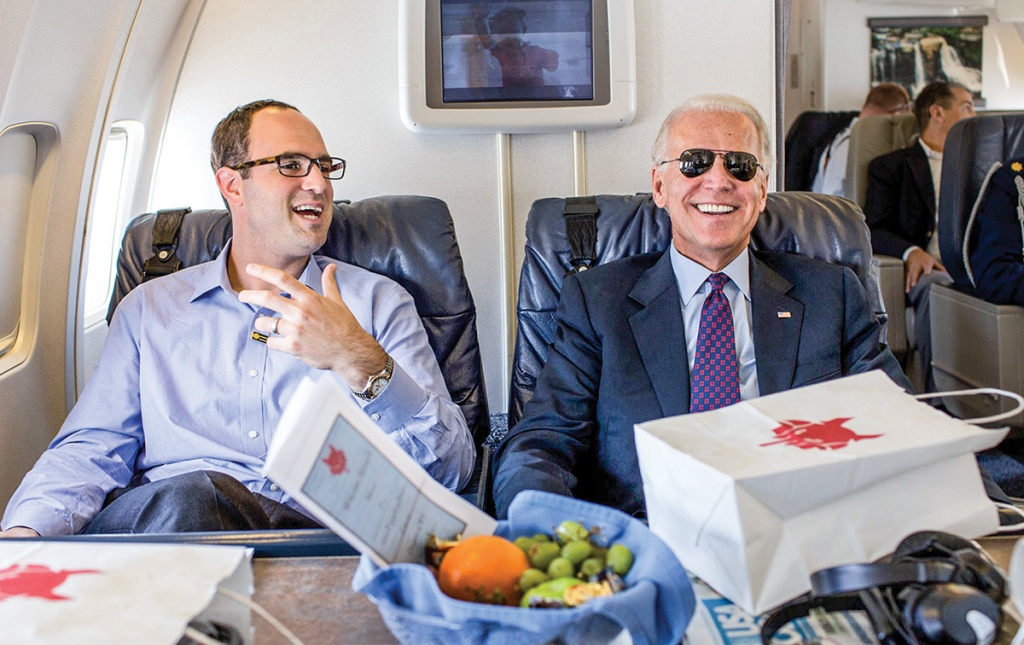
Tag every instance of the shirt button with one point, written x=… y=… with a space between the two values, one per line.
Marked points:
x=375 y=416
x=275 y=487
x=253 y=434
x=253 y=372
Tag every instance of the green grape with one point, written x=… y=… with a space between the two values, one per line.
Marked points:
x=524 y=542
x=541 y=554
x=576 y=551
x=591 y=567
x=620 y=558
x=541 y=537
x=599 y=552
x=569 y=530
x=531 y=578
x=561 y=568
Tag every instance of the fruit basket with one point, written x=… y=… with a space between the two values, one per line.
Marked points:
x=655 y=607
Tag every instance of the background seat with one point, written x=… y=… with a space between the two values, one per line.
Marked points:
x=872 y=137
x=975 y=343
x=821 y=226
x=410 y=239
x=808 y=137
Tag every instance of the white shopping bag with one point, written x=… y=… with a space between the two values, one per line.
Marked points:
x=101 y=592
x=755 y=497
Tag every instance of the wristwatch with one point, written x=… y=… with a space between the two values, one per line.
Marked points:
x=376 y=384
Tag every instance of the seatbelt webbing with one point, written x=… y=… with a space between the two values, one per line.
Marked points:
x=581 y=231
x=165 y=243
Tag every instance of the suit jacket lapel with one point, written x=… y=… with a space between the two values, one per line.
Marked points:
x=777 y=322
x=922 y=173
x=658 y=331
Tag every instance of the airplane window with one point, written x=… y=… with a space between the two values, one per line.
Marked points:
x=17 y=172
x=109 y=215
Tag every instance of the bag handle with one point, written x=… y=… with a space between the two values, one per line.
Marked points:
x=983 y=390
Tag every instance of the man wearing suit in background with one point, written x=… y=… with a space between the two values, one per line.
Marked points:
x=902 y=203
x=632 y=336
x=997 y=260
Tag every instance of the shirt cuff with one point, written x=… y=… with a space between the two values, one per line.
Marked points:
x=398 y=403
x=909 y=249
x=43 y=520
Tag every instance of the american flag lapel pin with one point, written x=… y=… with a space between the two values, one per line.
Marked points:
x=783 y=314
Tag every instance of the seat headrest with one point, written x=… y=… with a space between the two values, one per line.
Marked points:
x=972 y=147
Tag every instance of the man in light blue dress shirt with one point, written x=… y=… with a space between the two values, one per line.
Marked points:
x=171 y=432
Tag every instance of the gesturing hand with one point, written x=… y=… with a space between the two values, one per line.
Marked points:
x=319 y=330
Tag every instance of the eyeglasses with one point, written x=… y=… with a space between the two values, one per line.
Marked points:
x=295 y=165
x=902 y=109
x=696 y=162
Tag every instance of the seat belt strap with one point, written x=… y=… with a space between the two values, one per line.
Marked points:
x=581 y=231
x=165 y=242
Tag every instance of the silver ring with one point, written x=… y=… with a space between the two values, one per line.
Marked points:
x=276 y=322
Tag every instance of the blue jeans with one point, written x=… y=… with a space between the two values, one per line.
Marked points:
x=200 y=501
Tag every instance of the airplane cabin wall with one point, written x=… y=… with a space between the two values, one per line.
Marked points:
x=336 y=60
x=57 y=65
x=835 y=33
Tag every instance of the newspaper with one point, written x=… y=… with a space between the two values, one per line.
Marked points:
x=341 y=466
x=719 y=622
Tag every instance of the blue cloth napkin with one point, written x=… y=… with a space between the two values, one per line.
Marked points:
x=656 y=607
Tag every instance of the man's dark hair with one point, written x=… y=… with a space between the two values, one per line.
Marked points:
x=938 y=93
x=888 y=96
x=230 y=143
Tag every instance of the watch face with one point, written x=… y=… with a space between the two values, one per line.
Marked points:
x=378 y=385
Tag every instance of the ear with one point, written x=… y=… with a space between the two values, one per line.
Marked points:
x=658 y=187
x=936 y=112
x=230 y=184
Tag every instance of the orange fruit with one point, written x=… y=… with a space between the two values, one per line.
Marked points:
x=483 y=568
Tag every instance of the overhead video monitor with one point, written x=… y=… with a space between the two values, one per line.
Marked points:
x=516 y=65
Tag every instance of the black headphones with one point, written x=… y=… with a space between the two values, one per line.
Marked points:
x=935 y=588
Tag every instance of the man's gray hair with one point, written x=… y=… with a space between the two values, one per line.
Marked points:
x=710 y=103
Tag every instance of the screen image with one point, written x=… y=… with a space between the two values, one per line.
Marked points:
x=517 y=51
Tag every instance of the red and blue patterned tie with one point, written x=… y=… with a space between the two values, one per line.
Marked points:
x=716 y=375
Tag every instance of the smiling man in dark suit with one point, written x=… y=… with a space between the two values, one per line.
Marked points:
x=902 y=202
x=689 y=329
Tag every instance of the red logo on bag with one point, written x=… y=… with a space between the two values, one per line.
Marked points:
x=336 y=461
x=35 y=581
x=826 y=435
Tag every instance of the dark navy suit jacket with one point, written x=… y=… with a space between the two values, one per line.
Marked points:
x=900 y=202
x=997 y=261
x=619 y=358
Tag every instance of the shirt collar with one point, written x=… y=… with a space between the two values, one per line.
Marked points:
x=929 y=152
x=215 y=275
x=691 y=276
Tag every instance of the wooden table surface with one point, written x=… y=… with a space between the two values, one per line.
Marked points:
x=314 y=598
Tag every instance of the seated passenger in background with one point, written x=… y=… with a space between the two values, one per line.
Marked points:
x=884 y=98
x=633 y=337
x=901 y=205
x=997 y=261
x=171 y=432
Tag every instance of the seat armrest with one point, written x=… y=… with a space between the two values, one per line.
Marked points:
x=890 y=282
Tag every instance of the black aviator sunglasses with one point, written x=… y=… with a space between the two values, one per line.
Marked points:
x=697 y=161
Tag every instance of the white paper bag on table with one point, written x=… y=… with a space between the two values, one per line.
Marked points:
x=755 y=497
x=82 y=592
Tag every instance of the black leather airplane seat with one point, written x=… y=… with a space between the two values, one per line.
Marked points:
x=820 y=226
x=973 y=145
x=410 y=239
x=975 y=343
x=807 y=139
